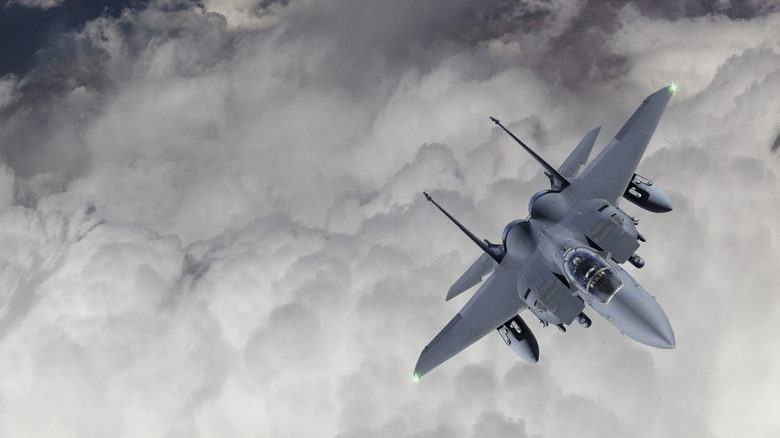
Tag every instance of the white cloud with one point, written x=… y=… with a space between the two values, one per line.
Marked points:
x=243 y=249
x=690 y=54
x=247 y=14
x=42 y=4
x=9 y=90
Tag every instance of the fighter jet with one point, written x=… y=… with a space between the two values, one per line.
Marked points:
x=567 y=253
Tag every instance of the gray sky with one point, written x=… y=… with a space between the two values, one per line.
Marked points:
x=211 y=221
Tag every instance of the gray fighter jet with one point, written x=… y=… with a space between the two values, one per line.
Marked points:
x=567 y=252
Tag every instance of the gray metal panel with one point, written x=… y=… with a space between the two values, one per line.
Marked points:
x=609 y=174
x=555 y=297
x=569 y=308
x=611 y=237
x=623 y=248
x=606 y=226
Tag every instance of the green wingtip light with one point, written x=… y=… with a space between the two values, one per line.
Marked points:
x=416 y=377
x=673 y=88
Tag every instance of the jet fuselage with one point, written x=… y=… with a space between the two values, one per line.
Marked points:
x=554 y=299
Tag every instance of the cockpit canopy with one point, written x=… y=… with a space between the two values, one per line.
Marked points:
x=592 y=274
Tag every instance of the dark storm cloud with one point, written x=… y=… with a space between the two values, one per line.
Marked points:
x=736 y=9
x=53 y=98
x=31 y=29
x=211 y=219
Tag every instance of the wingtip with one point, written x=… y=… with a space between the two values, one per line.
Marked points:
x=495 y=120
x=427 y=196
x=665 y=92
x=450 y=294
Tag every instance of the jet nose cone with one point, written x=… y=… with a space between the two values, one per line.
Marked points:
x=646 y=322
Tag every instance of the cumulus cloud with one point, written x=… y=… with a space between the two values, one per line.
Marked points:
x=212 y=222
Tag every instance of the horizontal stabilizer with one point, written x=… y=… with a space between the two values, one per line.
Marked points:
x=482 y=267
x=579 y=156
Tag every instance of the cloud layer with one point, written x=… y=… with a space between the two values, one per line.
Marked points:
x=211 y=219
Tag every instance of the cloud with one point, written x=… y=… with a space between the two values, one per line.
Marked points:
x=41 y=4
x=212 y=223
x=8 y=90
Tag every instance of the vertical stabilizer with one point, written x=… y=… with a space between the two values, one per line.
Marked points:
x=557 y=181
x=497 y=256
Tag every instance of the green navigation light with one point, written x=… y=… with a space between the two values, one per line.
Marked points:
x=416 y=377
x=673 y=88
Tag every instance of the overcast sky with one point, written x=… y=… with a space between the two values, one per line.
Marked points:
x=211 y=220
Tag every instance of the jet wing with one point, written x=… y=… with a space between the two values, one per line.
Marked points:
x=610 y=172
x=496 y=302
